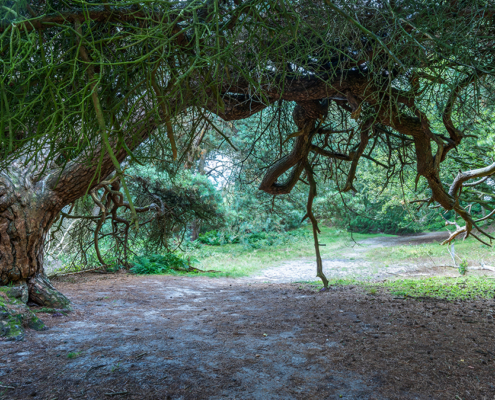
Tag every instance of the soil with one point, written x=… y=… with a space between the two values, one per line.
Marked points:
x=166 y=337
x=354 y=265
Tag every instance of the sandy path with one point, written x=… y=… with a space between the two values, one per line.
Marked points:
x=354 y=265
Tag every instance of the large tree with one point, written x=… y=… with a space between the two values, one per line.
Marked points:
x=84 y=84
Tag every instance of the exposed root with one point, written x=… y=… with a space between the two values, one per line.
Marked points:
x=42 y=292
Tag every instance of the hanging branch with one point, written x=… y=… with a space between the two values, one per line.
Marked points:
x=314 y=223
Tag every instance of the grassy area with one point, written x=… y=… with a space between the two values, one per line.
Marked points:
x=462 y=288
x=247 y=258
x=450 y=289
x=435 y=254
x=238 y=260
x=244 y=259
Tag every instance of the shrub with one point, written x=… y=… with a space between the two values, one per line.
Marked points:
x=161 y=264
x=216 y=238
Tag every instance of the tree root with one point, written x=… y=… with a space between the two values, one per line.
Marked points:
x=42 y=292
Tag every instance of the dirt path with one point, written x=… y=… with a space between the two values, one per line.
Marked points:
x=354 y=264
x=198 y=338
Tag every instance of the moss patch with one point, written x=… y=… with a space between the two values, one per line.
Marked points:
x=35 y=323
x=15 y=315
x=11 y=325
x=19 y=292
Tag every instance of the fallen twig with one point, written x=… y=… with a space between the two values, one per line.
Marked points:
x=192 y=269
x=95 y=367
x=78 y=272
x=115 y=393
x=7 y=387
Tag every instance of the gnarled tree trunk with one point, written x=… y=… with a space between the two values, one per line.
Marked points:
x=31 y=197
x=27 y=211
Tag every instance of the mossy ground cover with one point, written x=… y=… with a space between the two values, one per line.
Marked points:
x=10 y=322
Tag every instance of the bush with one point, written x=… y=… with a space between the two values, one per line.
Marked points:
x=395 y=220
x=216 y=238
x=255 y=240
x=161 y=264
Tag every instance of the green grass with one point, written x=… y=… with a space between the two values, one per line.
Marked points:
x=450 y=289
x=248 y=258
x=237 y=260
x=74 y=354
x=469 y=249
x=115 y=367
x=462 y=288
x=242 y=259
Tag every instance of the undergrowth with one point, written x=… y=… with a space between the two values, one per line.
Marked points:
x=171 y=263
x=257 y=251
x=168 y=263
x=255 y=240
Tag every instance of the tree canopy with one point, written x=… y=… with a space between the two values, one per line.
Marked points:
x=400 y=83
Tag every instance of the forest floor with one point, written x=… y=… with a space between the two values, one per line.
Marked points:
x=164 y=337
x=263 y=337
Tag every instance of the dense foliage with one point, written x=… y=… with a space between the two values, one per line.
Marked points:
x=160 y=264
x=82 y=236
x=331 y=98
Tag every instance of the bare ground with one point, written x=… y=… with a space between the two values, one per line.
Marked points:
x=355 y=265
x=164 y=337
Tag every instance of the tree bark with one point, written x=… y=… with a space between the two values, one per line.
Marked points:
x=27 y=211
x=194 y=230
x=32 y=196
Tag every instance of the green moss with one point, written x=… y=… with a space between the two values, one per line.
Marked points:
x=15 y=315
x=11 y=325
x=15 y=302
x=19 y=292
x=36 y=324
